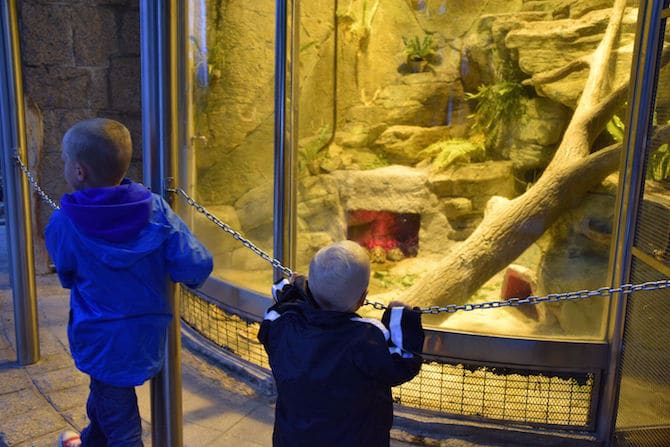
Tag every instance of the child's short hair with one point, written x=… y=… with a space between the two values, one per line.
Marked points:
x=339 y=275
x=103 y=145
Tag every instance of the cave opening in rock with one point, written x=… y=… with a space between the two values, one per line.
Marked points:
x=387 y=235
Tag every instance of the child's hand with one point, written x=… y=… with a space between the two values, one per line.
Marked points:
x=404 y=325
x=278 y=288
x=289 y=289
x=398 y=304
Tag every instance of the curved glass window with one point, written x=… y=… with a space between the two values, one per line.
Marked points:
x=230 y=159
x=445 y=137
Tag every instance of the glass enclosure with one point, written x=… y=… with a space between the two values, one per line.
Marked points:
x=643 y=418
x=230 y=164
x=443 y=136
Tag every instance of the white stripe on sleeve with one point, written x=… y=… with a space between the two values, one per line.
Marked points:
x=271 y=315
x=378 y=324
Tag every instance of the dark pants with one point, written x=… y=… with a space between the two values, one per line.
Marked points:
x=114 y=417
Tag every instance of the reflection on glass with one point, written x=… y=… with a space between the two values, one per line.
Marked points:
x=441 y=135
x=231 y=53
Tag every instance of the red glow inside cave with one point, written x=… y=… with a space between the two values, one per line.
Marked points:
x=384 y=229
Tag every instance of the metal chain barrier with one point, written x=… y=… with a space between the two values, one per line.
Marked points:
x=625 y=289
x=236 y=235
x=33 y=183
x=450 y=308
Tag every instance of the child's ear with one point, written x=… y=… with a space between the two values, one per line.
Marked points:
x=80 y=172
x=361 y=300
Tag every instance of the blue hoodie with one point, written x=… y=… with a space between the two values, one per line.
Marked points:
x=115 y=249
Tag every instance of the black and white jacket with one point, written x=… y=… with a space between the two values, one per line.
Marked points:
x=334 y=372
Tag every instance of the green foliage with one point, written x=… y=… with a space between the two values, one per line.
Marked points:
x=312 y=150
x=658 y=164
x=373 y=162
x=448 y=152
x=417 y=49
x=616 y=127
x=497 y=106
x=387 y=280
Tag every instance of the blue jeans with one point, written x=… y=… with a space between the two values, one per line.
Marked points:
x=114 y=417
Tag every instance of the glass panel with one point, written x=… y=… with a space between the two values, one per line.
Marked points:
x=427 y=130
x=643 y=415
x=231 y=88
x=439 y=134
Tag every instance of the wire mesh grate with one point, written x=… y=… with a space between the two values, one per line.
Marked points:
x=643 y=413
x=483 y=392
x=226 y=330
x=525 y=396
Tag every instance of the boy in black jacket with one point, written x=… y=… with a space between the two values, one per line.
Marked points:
x=334 y=370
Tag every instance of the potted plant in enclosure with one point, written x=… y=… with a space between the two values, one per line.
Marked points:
x=419 y=52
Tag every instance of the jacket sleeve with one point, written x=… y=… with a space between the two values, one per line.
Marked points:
x=373 y=358
x=59 y=246
x=188 y=260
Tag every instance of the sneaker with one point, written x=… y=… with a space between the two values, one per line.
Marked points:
x=69 y=438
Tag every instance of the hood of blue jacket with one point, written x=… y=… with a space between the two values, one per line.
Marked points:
x=115 y=214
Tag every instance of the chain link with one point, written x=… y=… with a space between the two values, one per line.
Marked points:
x=450 y=308
x=236 y=235
x=624 y=289
x=31 y=179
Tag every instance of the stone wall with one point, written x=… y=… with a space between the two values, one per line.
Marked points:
x=81 y=59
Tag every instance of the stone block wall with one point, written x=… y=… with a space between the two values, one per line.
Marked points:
x=81 y=59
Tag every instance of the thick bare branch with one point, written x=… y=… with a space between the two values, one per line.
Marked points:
x=513 y=227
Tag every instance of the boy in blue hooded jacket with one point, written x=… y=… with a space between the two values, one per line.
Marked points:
x=115 y=245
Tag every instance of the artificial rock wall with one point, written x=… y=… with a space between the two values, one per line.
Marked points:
x=81 y=59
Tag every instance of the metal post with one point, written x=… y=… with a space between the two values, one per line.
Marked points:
x=285 y=136
x=16 y=191
x=159 y=37
x=648 y=45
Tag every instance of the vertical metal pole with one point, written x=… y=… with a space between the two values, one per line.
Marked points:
x=17 y=191
x=159 y=34
x=170 y=178
x=285 y=136
x=292 y=136
x=646 y=54
x=279 y=133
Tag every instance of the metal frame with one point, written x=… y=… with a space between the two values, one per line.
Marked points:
x=161 y=26
x=285 y=146
x=550 y=356
x=17 y=190
x=646 y=54
x=598 y=357
x=551 y=353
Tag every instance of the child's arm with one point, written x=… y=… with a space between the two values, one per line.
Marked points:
x=188 y=260
x=377 y=359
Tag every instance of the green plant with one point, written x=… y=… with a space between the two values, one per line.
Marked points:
x=448 y=152
x=616 y=127
x=497 y=105
x=387 y=280
x=658 y=164
x=419 y=50
x=312 y=150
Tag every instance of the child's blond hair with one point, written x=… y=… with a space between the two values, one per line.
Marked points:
x=102 y=145
x=339 y=275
